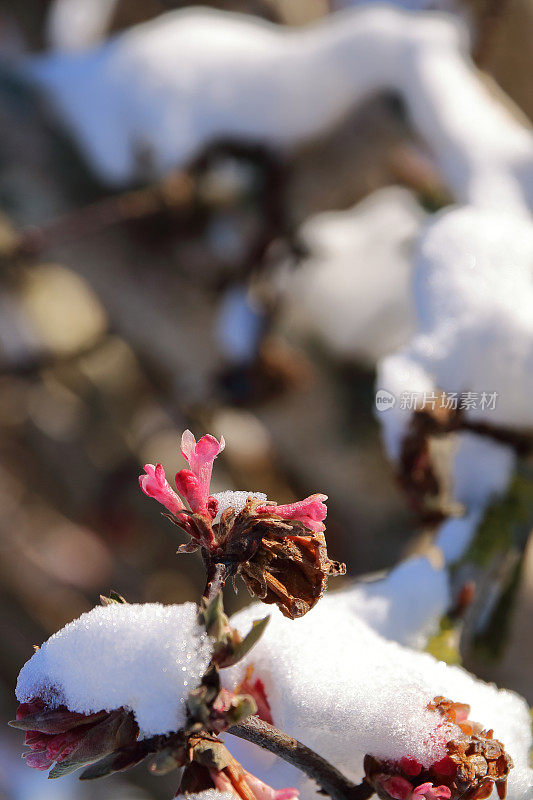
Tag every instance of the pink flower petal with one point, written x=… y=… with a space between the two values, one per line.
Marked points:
x=311 y=511
x=154 y=484
x=431 y=792
x=263 y=791
x=200 y=456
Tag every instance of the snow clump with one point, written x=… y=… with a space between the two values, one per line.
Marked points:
x=146 y=658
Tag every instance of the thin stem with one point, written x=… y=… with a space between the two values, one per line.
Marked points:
x=294 y=752
x=217 y=574
x=171 y=193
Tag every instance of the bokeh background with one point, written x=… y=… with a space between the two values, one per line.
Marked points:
x=165 y=308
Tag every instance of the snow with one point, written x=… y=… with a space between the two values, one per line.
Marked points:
x=354 y=290
x=78 y=24
x=406 y=605
x=482 y=471
x=345 y=691
x=236 y=500
x=143 y=657
x=159 y=92
x=473 y=295
x=474 y=298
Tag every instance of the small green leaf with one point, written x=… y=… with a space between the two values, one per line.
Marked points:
x=240 y=650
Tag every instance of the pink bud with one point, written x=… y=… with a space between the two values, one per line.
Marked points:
x=154 y=484
x=410 y=766
x=445 y=766
x=398 y=788
x=311 y=511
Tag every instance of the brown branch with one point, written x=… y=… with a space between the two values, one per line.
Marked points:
x=294 y=752
x=170 y=194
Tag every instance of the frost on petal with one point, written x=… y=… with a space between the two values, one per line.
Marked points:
x=154 y=484
x=146 y=658
x=311 y=511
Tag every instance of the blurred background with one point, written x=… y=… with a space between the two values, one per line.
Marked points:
x=223 y=296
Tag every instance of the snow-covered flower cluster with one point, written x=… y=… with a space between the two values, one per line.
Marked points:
x=354 y=694
x=128 y=682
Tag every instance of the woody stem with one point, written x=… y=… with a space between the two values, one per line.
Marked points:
x=217 y=574
x=329 y=779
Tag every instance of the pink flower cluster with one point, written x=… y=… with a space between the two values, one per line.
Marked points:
x=57 y=735
x=193 y=485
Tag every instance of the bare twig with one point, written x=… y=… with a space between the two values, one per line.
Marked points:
x=170 y=194
x=294 y=752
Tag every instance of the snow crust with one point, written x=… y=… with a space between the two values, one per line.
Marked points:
x=144 y=657
x=236 y=500
x=354 y=290
x=345 y=691
x=160 y=91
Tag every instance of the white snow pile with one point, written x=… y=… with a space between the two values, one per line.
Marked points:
x=406 y=605
x=235 y=499
x=159 y=92
x=474 y=300
x=343 y=690
x=146 y=658
x=354 y=290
